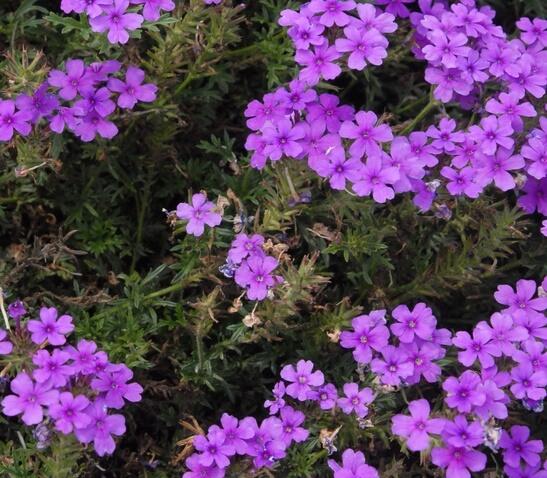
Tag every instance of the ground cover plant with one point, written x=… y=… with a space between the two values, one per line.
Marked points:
x=273 y=238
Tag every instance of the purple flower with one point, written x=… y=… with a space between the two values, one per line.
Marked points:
x=270 y=111
x=459 y=433
x=418 y=323
x=493 y=131
x=112 y=383
x=504 y=332
x=100 y=71
x=533 y=31
x=64 y=117
x=243 y=246
x=425 y=153
x=6 y=346
x=495 y=168
x=40 y=104
x=534 y=323
x=473 y=65
x=356 y=400
x=366 y=134
x=464 y=392
x=476 y=347
x=523 y=79
x=84 y=357
x=528 y=383
x=383 y=22
x=302 y=379
x=422 y=358
x=417 y=427
x=117 y=21
x=393 y=367
x=69 y=413
x=353 y=466
x=93 y=8
x=93 y=123
x=278 y=402
x=516 y=446
x=444 y=136
x=152 y=8
x=364 y=338
x=521 y=298
x=496 y=400
x=255 y=274
x=197 y=470
x=292 y=431
x=536 y=153
x=100 y=429
x=199 y=213
x=328 y=111
x=29 y=399
x=49 y=327
x=526 y=471
x=213 y=449
x=375 y=179
x=132 y=90
x=364 y=47
x=532 y=353
x=11 y=121
x=318 y=63
x=16 y=310
x=75 y=80
x=338 y=169
x=326 y=395
x=333 y=11
x=282 y=139
x=508 y=105
x=96 y=100
x=52 y=368
x=305 y=33
x=298 y=96
x=446 y=49
x=449 y=82
x=236 y=433
x=461 y=182
x=458 y=461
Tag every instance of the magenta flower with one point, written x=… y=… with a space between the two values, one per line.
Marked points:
x=496 y=400
x=52 y=368
x=236 y=433
x=523 y=78
x=302 y=379
x=477 y=347
x=504 y=332
x=6 y=346
x=117 y=21
x=393 y=367
x=448 y=81
x=533 y=31
x=356 y=400
x=28 y=399
x=396 y=7
x=298 y=97
x=305 y=33
x=417 y=427
x=363 y=46
x=270 y=110
x=532 y=353
x=364 y=338
x=152 y=8
x=464 y=392
x=318 y=63
x=493 y=132
x=353 y=466
x=445 y=136
x=333 y=11
x=49 y=327
x=197 y=470
x=112 y=383
x=495 y=168
x=459 y=433
x=75 y=80
x=375 y=179
x=508 y=105
x=200 y=213
x=39 y=104
x=255 y=274
x=93 y=123
x=535 y=196
x=422 y=358
x=64 y=117
x=521 y=298
x=338 y=169
x=371 y=18
x=243 y=246
x=516 y=446
x=100 y=429
x=69 y=412
x=420 y=149
x=132 y=90
x=17 y=309
x=458 y=461
x=84 y=358
x=96 y=101
x=536 y=154
x=11 y=121
x=534 y=323
x=366 y=134
x=418 y=323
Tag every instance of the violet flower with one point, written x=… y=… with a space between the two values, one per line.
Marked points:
x=132 y=90
x=200 y=213
x=117 y=21
x=417 y=427
x=302 y=379
x=50 y=327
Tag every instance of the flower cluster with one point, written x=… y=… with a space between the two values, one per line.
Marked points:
x=80 y=98
x=63 y=388
x=470 y=60
x=509 y=349
x=118 y=17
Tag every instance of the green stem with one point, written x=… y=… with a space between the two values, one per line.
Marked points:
x=421 y=115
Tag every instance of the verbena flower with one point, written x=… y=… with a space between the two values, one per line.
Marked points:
x=132 y=90
x=464 y=392
x=6 y=346
x=517 y=447
x=69 y=412
x=419 y=322
x=116 y=21
x=458 y=461
x=356 y=400
x=394 y=366
x=353 y=466
x=199 y=213
x=255 y=274
x=12 y=120
x=50 y=327
x=417 y=427
x=461 y=433
x=302 y=379
x=365 y=338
